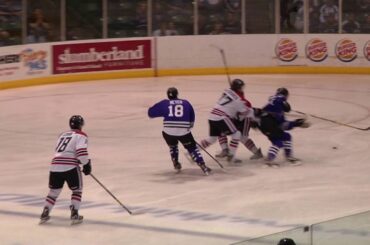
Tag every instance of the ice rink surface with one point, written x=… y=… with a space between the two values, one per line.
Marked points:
x=130 y=157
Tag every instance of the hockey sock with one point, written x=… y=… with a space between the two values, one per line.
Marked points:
x=287 y=148
x=235 y=138
x=195 y=154
x=76 y=198
x=250 y=145
x=52 y=198
x=223 y=142
x=272 y=153
x=174 y=151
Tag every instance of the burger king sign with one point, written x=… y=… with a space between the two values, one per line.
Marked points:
x=286 y=50
x=316 y=50
x=346 y=50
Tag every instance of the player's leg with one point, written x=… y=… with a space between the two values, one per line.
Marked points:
x=172 y=143
x=56 y=182
x=248 y=142
x=74 y=181
x=191 y=146
x=288 y=149
x=214 y=132
x=273 y=151
x=222 y=140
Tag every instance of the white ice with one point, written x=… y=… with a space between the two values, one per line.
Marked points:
x=130 y=157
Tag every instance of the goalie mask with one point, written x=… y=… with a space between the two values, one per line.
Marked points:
x=76 y=122
x=172 y=93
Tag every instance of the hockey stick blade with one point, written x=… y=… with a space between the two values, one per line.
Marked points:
x=332 y=121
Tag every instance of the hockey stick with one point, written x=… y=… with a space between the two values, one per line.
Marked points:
x=223 y=60
x=110 y=193
x=329 y=120
x=201 y=147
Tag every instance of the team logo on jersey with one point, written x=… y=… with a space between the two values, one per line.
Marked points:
x=34 y=60
x=316 y=50
x=286 y=50
x=346 y=50
x=367 y=50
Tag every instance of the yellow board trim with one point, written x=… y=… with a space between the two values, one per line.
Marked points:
x=182 y=72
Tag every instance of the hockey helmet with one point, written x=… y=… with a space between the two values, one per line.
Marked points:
x=282 y=91
x=237 y=84
x=172 y=93
x=76 y=122
x=286 y=241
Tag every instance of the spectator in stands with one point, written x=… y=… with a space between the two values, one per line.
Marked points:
x=38 y=28
x=350 y=25
x=4 y=38
x=286 y=241
x=330 y=25
x=366 y=24
x=314 y=24
x=299 y=15
x=10 y=11
x=328 y=11
x=166 y=30
x=140 y=21
x=232 y=23
x=218 y=28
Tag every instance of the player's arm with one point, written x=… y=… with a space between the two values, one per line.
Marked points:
x=82 y=154
x=156 y=110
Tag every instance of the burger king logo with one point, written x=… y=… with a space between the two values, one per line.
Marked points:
x=367 y=51
x=286 y=50
x=316 y=50
x=346 y=50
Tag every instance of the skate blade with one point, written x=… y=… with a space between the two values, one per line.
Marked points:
x=42 y=221
x=271 y=165
x=77 y=221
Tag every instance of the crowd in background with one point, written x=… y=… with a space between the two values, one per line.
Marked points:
x=42 y=20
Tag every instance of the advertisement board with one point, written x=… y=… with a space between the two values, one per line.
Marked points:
x=18 y=62
x=101 y=56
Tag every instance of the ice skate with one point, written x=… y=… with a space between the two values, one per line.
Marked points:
x=294 y=161
x=206 y=170
x=45 y=215
x=176 y=165
x=75 y=217
x=223 y=153
x=232 y=159
x=271 y=164
x=257 y=155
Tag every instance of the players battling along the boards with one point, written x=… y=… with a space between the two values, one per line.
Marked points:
x=232 y=116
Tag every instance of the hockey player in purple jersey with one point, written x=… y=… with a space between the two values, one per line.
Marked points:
x=271 y=122
x=178 y=119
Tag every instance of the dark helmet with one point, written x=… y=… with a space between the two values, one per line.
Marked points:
x=76 y=122
x=282 y=91
x=286 y=241
x=172 y=93
x=237 y=84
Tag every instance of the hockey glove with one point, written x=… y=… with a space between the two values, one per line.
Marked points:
x=301 y=123
x=286 y=106
x=86 y=169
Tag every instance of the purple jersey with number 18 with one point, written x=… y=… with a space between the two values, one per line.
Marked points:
x=178 y=116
